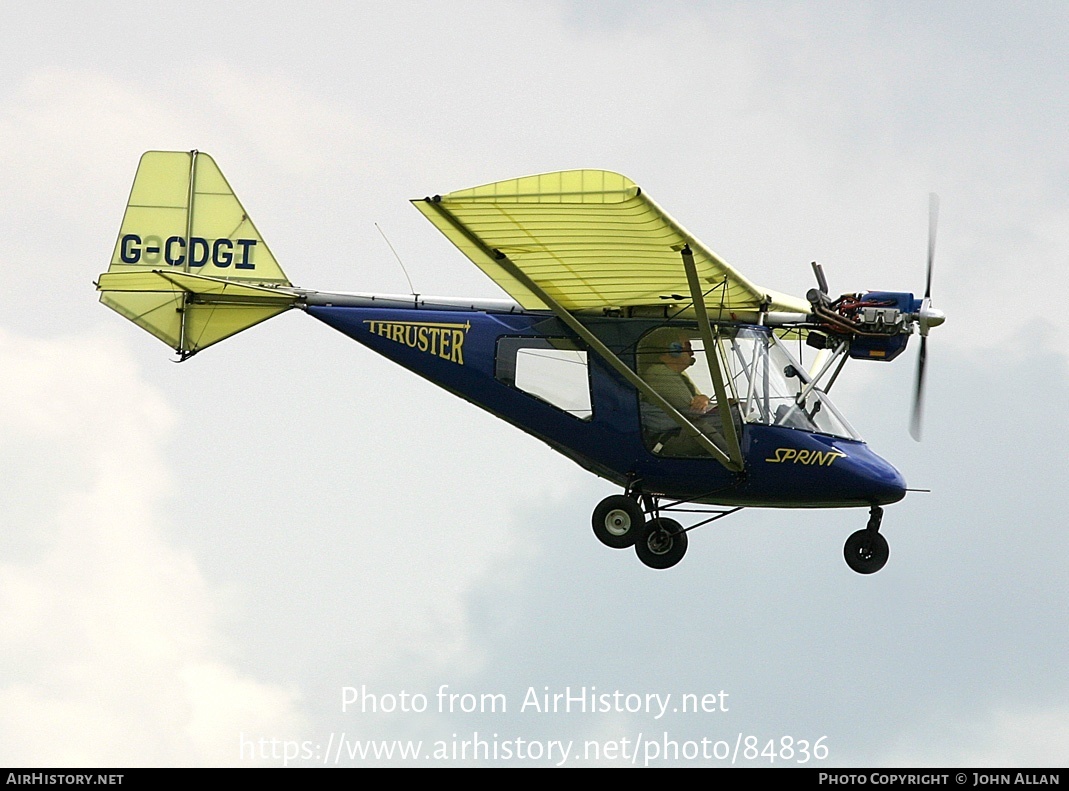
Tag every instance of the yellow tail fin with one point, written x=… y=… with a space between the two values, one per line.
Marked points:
x=189 y=266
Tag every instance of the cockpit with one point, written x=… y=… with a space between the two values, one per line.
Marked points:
x=764 y=383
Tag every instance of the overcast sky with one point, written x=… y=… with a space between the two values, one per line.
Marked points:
x=198 y=558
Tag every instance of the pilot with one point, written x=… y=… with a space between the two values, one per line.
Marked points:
x=667 y=375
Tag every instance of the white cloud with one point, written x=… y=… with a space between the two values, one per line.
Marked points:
x=113 y=651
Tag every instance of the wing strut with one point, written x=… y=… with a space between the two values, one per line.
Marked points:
x=594 y=343
x=712 y=356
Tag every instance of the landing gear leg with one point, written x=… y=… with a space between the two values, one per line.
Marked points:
x=866 y=550
x=634 y=519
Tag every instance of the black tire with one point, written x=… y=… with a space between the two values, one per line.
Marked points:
x=866 y=551
x=663 y=543
x=618 y=520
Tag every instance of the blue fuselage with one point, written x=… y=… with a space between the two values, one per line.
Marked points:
x=459 y=350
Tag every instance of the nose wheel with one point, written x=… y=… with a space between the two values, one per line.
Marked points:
x=866 y=551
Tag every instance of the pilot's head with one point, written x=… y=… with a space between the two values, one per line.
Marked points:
x=680 y=354
x=674 y=348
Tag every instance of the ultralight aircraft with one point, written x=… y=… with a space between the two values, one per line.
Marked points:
x=627 y=345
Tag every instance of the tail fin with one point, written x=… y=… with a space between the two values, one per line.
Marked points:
x=189 y=266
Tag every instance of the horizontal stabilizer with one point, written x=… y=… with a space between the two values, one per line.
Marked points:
x=206 y=288
x=190 y=312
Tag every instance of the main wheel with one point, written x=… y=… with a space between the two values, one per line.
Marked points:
x=663 y=543
x=866 y=551
x=618 y=520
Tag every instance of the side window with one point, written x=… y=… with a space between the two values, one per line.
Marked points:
x=553 y=370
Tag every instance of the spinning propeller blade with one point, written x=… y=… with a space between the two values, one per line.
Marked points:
x=927 y=318
x=933 y=220
x=918 y=394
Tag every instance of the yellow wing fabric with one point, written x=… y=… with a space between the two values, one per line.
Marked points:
x=189 y=266
x=593 y=240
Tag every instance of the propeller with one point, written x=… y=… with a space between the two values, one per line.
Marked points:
x=926 y=318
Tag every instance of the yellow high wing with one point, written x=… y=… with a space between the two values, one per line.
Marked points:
x=189 y=266
x=592 y=240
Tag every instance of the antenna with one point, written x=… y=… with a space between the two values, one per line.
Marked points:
x=411 y=287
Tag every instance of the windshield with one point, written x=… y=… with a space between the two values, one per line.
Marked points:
x=765 y=382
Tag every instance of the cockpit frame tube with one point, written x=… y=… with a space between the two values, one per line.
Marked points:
x=808 y=387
